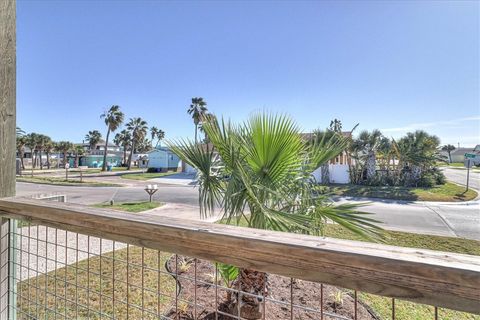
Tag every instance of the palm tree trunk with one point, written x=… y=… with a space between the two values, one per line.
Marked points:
x=196 y=131
x=22 y=155
x=129 y=165
x=41 y=163
x=252 y=282
x=371 y=165
x=48 y=160
x=104 y=165
x=124 y=155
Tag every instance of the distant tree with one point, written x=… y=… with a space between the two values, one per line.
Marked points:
x=42 y=140
x=19 y=132
x=78 y=151
x=123 y=139
x=21 y=142
x=113 y=119
x=336 y=125
x=366 y=145
x=138 y=130
x=48 y=148
x=197 y=109
x=93 y=138
x=449 y=148
x=156 y=134
x=64 y=147
x=31 y=143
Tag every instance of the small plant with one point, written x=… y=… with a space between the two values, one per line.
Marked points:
x=228 y=273
x=184 y=265
x=338 y=298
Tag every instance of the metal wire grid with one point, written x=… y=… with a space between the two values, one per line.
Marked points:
x=66 y=275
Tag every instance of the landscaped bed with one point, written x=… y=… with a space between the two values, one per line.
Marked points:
x=279 y=291
x=447 y=192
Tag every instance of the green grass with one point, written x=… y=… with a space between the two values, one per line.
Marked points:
x=99 y=281
x=131 y=206
x=63 y=182
x=447 y=192
x=407 y=310
x=146 y=175
x=453 y=164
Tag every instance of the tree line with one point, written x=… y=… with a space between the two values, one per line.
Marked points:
x=136 y=136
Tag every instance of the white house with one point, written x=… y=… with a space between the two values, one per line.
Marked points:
x=163 y=159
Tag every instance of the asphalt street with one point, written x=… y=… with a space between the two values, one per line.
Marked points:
x=459 y=176
x=435 y=218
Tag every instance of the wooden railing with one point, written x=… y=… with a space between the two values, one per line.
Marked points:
x=429 y=277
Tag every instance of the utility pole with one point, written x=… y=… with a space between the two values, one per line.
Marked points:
x=7 y=151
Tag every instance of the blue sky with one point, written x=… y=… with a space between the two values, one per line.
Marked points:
x=396 y=66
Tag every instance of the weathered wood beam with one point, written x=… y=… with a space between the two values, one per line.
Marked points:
x=436 y=278
x=7 y=137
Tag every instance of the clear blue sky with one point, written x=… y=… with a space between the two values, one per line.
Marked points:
x=396 y=66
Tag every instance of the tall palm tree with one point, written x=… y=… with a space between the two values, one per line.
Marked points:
x=48 y=148
x=449 y=148
x=93 y=138
x=113 y=119
x=31 y=143
x=197 y=109
x=153 y=132
x=21 y=142
x=417 y=151
x=123 y=139
x=138 y=129
x=261 y=174
x=160 y=137
x=64 y=147
x=367 y=143
x=19 y=132
x=78 y=151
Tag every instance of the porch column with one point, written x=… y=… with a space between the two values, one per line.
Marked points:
x=7 y=137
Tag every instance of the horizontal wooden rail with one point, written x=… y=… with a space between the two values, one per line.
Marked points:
x=422 y=276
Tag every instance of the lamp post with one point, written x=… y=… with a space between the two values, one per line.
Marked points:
x=151 y=189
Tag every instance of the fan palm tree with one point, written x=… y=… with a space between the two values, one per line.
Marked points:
x=417 y=151
x=19 y=132
x=48 y=148
x=153 y=132
x=449 y=148
x=367 y=144
x=197 y=110
x=31 y=143
x=113 y=119
x=78 y=151
x=138 y=129
x=21 y=142
x=123 y=139
x=64 y=147
x=93 y=138
x=42 y=140
x=262 y=174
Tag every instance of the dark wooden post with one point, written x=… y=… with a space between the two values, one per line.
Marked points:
x=7 y=139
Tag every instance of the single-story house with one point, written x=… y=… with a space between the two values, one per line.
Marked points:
x=163 y=159
x=458 y=155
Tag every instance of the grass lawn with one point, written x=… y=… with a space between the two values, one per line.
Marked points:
x=147 y=175
x=453 y=164
x=63 y=182
x=407 y=310
x=95 y=278
x=446 y=192
x=131 y=206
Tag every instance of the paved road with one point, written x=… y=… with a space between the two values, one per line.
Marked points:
x=460 y=176
x=446 y=219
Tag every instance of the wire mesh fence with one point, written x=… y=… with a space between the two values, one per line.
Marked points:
x=68 y=275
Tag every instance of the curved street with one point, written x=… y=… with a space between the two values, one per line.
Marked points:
x=435 y=218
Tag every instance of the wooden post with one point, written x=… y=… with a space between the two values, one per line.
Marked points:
x=7 y=140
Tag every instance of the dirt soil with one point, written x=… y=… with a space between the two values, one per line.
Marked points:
x=337 y=303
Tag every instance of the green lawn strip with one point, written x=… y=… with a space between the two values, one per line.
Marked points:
x=88 y=279
x=146 y=175
x=131 y=206
x=447 y=192
x=63 y=182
